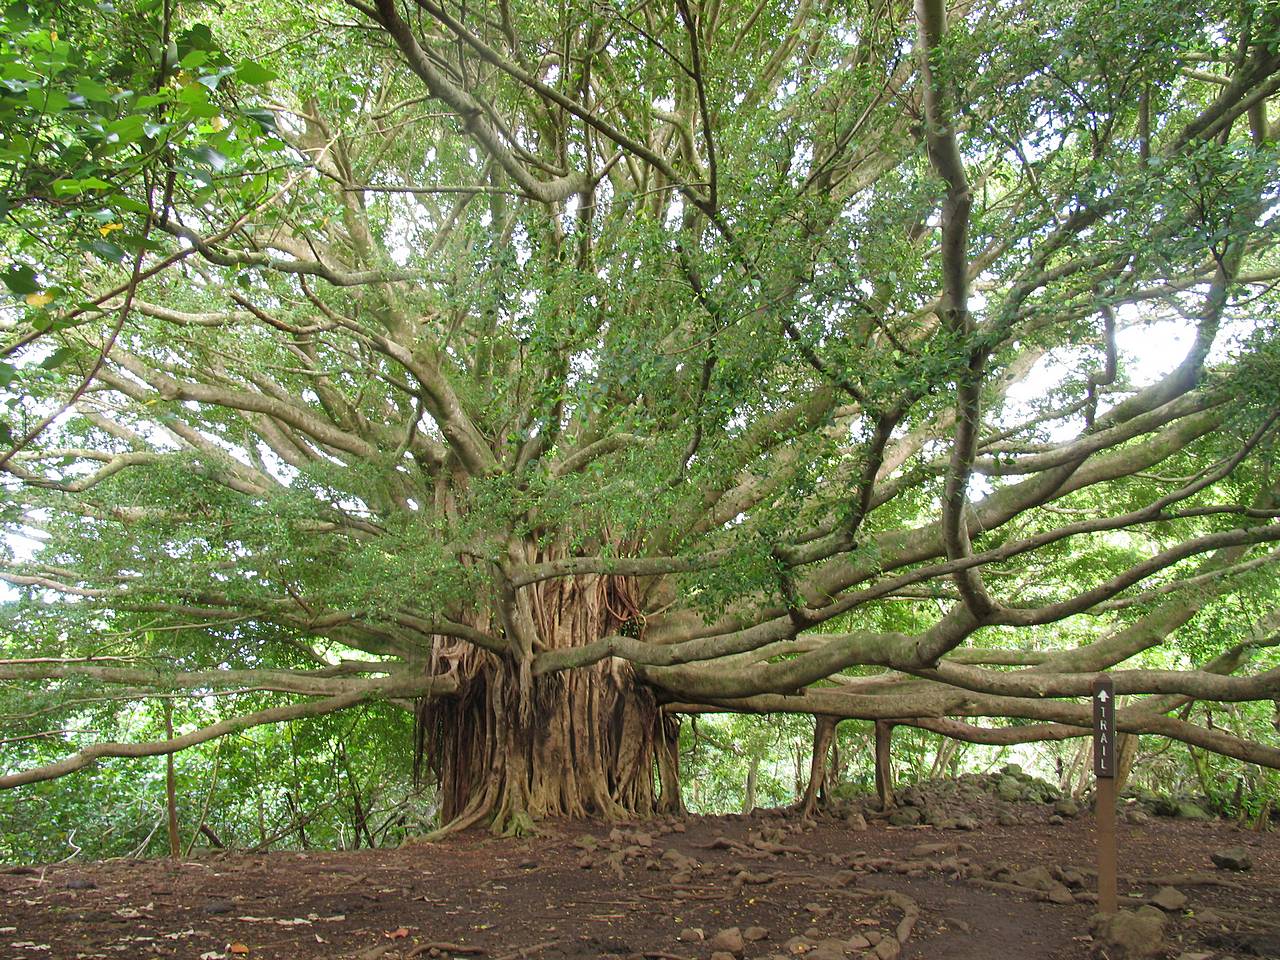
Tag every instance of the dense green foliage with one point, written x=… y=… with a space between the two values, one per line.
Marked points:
x=812 y=358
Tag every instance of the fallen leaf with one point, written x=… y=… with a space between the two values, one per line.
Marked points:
x=238 y=949
x=108 y=228
x=41 y=299
x=399 y=933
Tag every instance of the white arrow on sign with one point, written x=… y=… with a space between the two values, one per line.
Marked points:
x=1102 y=695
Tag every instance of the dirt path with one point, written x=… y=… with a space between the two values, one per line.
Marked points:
x=820 y=890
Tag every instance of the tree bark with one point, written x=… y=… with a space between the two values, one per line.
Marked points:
x=510 y=747
x=670 y=800
x=749 y=793
x=824 y=732
x=884 y=764
x=171 y=788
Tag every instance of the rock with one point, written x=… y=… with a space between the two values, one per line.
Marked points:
x=859 y=942
x=691 y=935
x=730 y=941
x=829 y=949
x=755 y=934
x=80 y=883
x=798 y=945
x=642 y=840
x=1170 y=898
x=1135 y=934
x=1008 y=789
x=813 y=934
x=1232 y=858
x=1207 y=917
x=1066 y=807
x=216 y=908
x=873 y=937
x=818 y=910
x=1011 y=770
x=1190 y=811
x=1056 y=820
x=966 y=823
x=1006 y=819
x=1035 y=878
x=905 y=817
x=722 y=955
x=856 y=822
x=924 y=851
x=1058 y=893
x=888 y=949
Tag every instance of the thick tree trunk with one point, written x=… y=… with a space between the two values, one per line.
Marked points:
x=824 y=732
x=511 y=748
x=670 y=800
x=884 y=764
x=749 y=791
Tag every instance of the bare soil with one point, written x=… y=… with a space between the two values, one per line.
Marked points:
x=819 y=888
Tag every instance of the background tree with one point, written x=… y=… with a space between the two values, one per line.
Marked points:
x=548 y=371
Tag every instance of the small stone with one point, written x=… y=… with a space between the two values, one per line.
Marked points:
x=642 y=840
x=856 y=822
x=730 y=941
x=81 y=883
x=905 y=817
x=722 y=955
x=818 y=910
x=1006 y=819
x=678 y=827
x=755 y=934
x=1066 y=807
x=691 y=935
x=1191 y=811
x=216 y=908
x=813 y=933
x=888 y=949
x=1232 y=858
x=1056 y=820
x=828 y=949
x=1134 y=934
x=873 y=937
x=1207 y=916
x=1170 y=899
x=1035 y=878
x=1058 y=893
x=859 y=942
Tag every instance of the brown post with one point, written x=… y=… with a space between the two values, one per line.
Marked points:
x=1104 y=769
x=884 y=763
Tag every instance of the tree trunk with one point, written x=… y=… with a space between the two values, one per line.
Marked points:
x=510 y=748
x=884 y=764
x=749 y=794
x=670 y=800
x=171 y=788
x=824 y=732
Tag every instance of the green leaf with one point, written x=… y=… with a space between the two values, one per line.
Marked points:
x=254 y=73
x=207 y=155
x=21 y=280
x=57 y=358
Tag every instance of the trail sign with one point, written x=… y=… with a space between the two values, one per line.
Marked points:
x=1104 y=728
x=1104 y=768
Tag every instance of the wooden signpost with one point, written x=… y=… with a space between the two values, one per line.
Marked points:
x=1104 y=769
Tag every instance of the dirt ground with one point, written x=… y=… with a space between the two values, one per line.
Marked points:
x=820 y=889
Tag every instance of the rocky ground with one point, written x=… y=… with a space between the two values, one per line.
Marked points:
x=971 y=869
